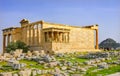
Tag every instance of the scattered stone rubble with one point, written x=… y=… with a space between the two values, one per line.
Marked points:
x=15 y=64
x=100 y=55
x=59 y=68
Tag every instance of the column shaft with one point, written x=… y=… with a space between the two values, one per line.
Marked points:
x=68 y=37
x=63 y=37
x=97 y=39
x=57 y=36
x=23 y=39
x=11 y=38
x=8 y=39
x=26 y=35
x=29 y=35
x=52 y=36
x=47 y=36
x=33 y=35
x=37 y=36
x=4 y=43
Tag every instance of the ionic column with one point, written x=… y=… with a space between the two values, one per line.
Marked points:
x=47 y=33
x=57 y=36
x=37 y=36
x=97 y=39
x=63 y=38
x=26 y=35
x=4 y=43
x=68 y=37
x=52 y=36
x=23 y=34
x=45 y=36
x=29 y=35
x=60 y=37
x=33 y=39
x=8 y=39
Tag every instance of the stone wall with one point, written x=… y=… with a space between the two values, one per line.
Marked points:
x=79 y=38
x=82 y=38
x=16 y=35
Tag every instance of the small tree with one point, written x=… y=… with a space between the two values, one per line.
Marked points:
x=12 y=46
x=22 y=45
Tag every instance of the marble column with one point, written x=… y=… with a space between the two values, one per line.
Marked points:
x=37 y=35
x=63 y=39
x=4 y=43
x=52 y=36
x=26 y=35
x=67 y=36
x=62 y=36
x=23 y=34
x=58 y=37
x=33 y=31
x=47 y=38
x=97 y=47
x=8 y=39
x=29 y=35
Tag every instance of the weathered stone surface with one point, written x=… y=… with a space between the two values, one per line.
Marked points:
x=69 y=63
x=16 y=66
x=29 y=53
x=57 y=70
x=6 y=55
x=87 y=62
x=15 y=75
x=53 y=64
x=96 y=55
x=26 y=72
x=76 y=75
x=41 y=62
x=42 y=53
x=60 y=55
x=103 y=65
x=63 y=68
x=47 y=58
x=6 y=74
x=97 y=60
x=17 y=53
x=83 y=69
x=11 y=62
x=36 y=53
x=38 y=71
x=34 y=73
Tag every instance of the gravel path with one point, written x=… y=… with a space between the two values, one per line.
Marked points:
x=116 y=74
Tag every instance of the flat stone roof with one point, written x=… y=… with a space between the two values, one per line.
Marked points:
x=10 y=28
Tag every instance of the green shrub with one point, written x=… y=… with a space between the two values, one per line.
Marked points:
x=12 y=46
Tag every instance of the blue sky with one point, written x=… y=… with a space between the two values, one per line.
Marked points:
x=105 y=13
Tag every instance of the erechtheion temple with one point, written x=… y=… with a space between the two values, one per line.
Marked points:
x=47 y=36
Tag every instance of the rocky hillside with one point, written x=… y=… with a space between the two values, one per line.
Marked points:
x=109 y=44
